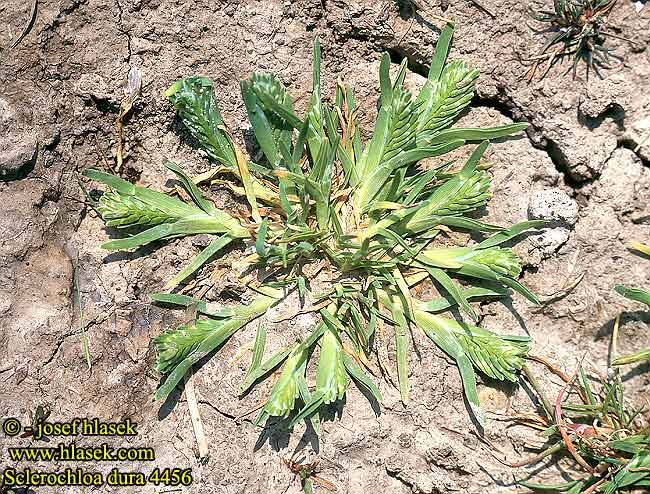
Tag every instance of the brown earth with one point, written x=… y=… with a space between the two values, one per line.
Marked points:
x=584 y=164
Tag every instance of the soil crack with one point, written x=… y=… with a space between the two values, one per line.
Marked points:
x=220 y=412
x=124 y=31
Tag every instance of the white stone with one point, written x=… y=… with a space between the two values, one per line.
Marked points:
x=553 y=205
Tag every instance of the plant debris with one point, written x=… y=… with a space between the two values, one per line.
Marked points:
x=132 y=90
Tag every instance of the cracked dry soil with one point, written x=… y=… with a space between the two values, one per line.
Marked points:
x=583 y=164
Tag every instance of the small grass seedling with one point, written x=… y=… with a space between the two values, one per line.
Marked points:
x=595 y=425
x=608 y=439
x=638 y=295
x=308 y=474
x=40 y=415
x=579 y=32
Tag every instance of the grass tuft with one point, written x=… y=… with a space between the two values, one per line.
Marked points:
x=579 y=30
x=365 y=212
